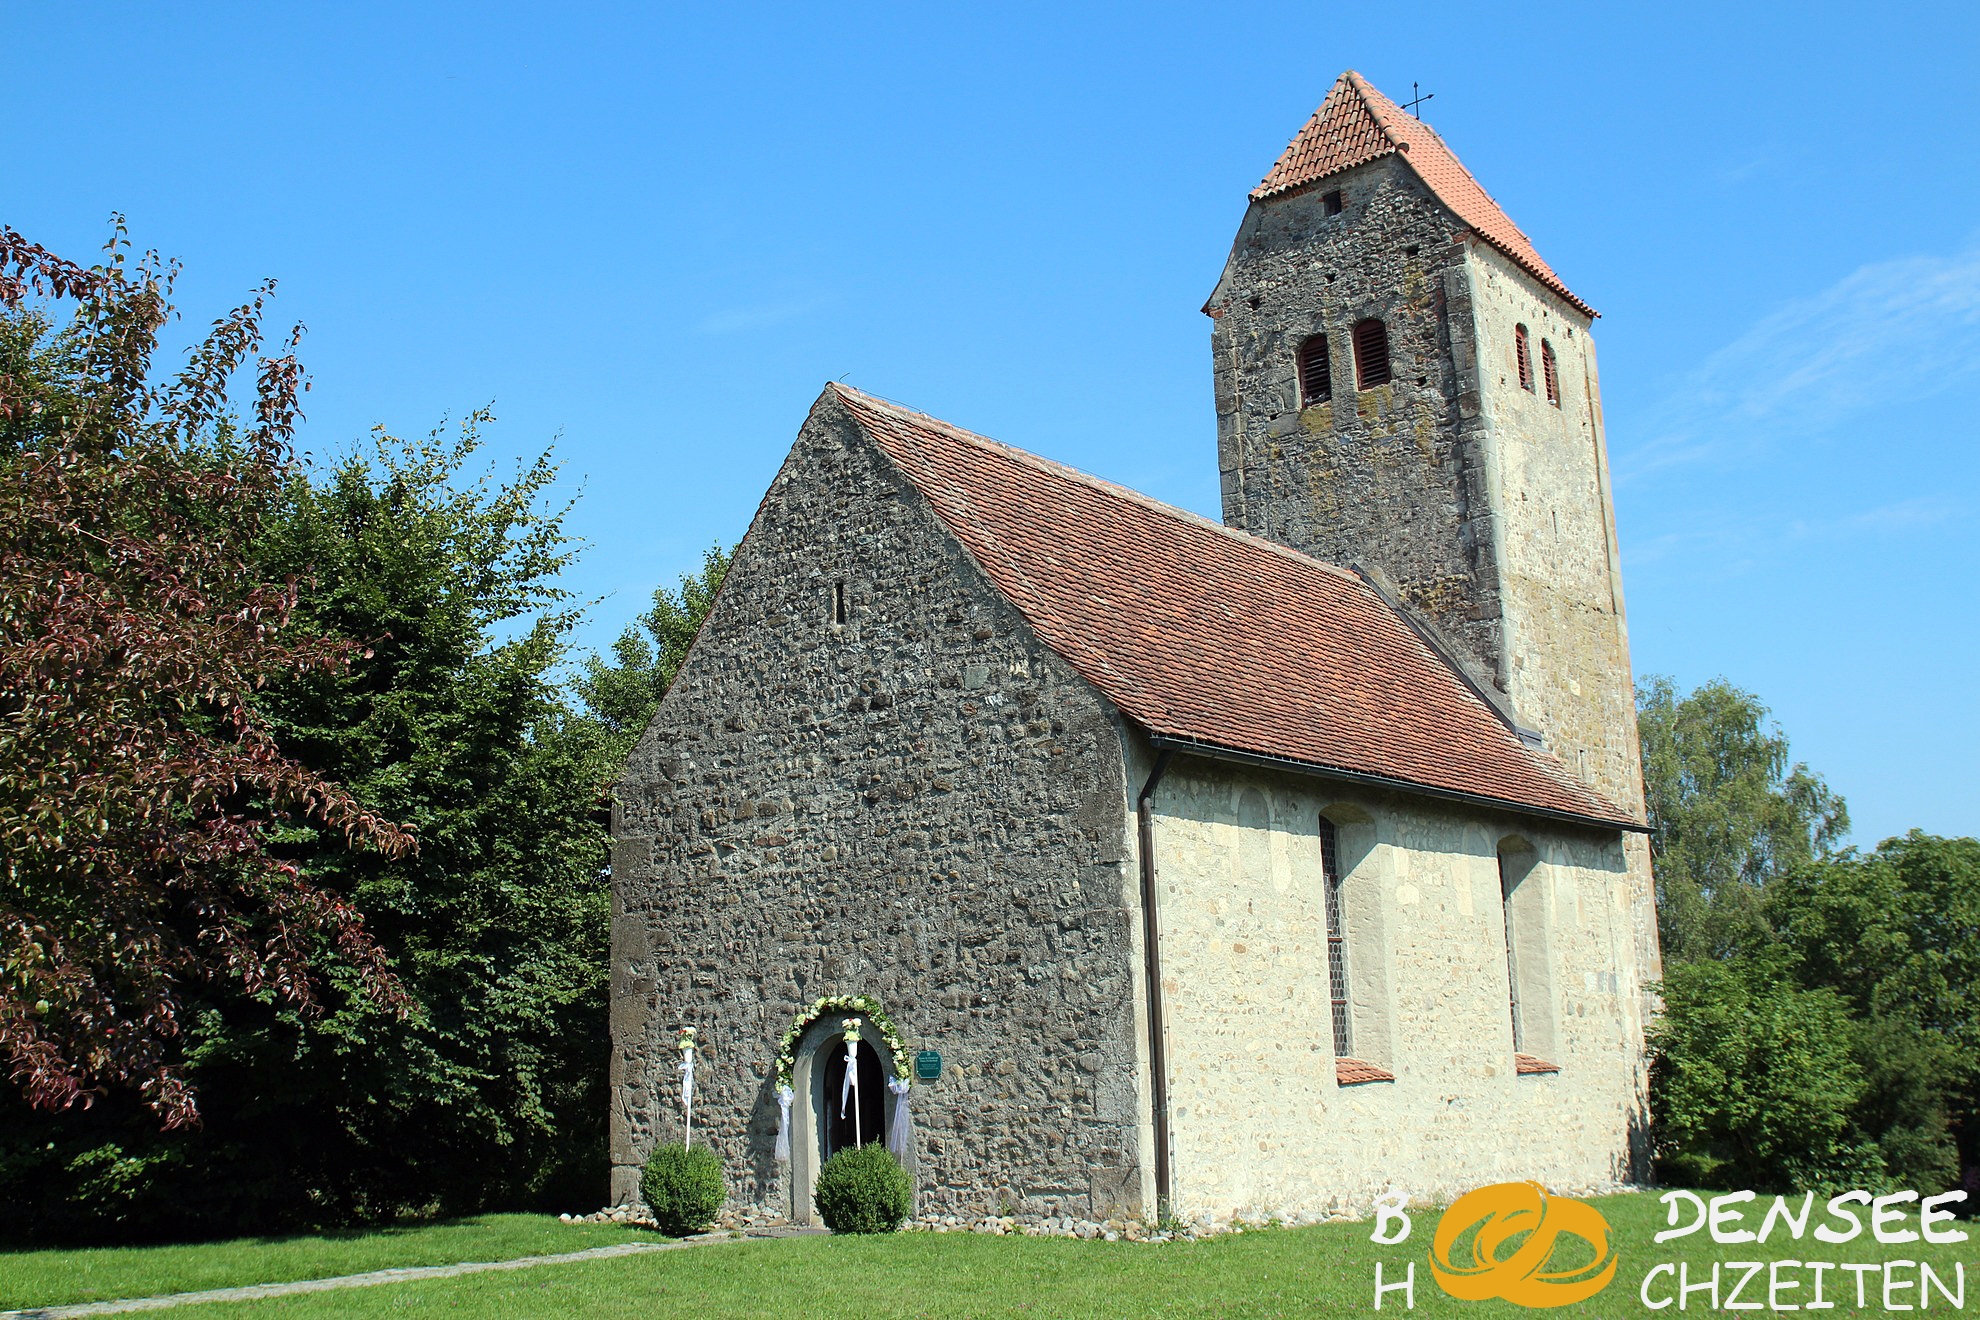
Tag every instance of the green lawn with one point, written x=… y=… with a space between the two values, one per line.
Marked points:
x=1322 y=1270
x=47 y=1278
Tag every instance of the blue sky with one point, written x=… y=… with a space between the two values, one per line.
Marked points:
x=649 y=234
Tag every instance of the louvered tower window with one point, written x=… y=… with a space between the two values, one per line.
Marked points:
x=1337 y=974
x=1524 y=354
x=1550 y=372
x=1316 y=372
x=1371 y=354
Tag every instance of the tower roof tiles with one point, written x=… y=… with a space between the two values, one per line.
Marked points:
x=1357 y=124
x=1213 y=637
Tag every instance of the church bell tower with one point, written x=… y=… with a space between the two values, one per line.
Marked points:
x=1403 y=384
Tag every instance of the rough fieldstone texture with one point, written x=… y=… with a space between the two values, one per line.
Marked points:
x=1389 y=474
x=922 y=804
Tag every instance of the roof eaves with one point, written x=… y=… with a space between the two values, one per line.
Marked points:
x=1552 y=283
x=1265 y=761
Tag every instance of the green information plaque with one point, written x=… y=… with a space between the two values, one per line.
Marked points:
x=927 y=1065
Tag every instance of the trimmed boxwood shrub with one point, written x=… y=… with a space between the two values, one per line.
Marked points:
x=863 y=1190
x=683 y=1188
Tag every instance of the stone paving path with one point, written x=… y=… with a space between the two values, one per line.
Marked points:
x=258 y=1291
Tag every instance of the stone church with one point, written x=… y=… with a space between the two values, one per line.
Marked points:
x=1243 y=868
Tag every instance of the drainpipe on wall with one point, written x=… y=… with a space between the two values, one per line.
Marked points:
x=1151 y=940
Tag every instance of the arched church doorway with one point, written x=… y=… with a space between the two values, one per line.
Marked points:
x=851 y=1116
x=830 y=1116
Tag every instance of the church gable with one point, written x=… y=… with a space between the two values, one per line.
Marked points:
x=871 y=778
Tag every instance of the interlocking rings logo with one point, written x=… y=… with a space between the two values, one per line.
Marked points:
x=1505 y=1211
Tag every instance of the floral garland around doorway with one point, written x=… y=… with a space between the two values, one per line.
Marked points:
x=866 y=1004
x=897 y=1085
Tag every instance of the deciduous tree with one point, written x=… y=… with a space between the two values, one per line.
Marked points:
x=490 y=1092
x=623 y=694
x=1728 y=812
x=141 y=785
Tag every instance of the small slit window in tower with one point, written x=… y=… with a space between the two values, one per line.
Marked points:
x=1551 y=372
x=1331 y=202
x=1337 y=976
x=1371 y=353
x=1316 y=372
x=839 y=602
x=1524 y=356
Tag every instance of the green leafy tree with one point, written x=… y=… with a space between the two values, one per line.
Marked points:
x=142 y=786
x=1756 y=1082
x=1819 y=1024
x=1898 y=930
x=1901 y=925
x=1760 y=1079
x=489 y=1093
x=1728 y=813
x=622 y=694
x=493 y=1092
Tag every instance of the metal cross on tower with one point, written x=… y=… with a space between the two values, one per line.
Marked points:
x=1417 y=97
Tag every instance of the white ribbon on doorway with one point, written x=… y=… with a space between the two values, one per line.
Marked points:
x=850 y=1082
x=783 y=1152
x=897 y=1127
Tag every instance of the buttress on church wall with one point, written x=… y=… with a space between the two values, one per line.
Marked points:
x=1260 y=1124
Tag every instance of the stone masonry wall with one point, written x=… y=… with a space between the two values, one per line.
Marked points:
x=1567 y=647
x=1389 y=474
x=923 y=804
x=1260 y=1124
x=1566 y=634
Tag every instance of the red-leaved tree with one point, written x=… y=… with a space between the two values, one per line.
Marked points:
x=140 y=792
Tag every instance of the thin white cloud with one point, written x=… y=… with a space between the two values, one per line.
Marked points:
x=1888 y=519
x=1910 y=326
x=735 y=320
x=1722 y=546
x=1744 y=170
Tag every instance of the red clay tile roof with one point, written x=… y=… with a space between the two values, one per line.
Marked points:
x=1526 y=1065
x=1206 y=634
x=1357 y=124
x=1353 y=1072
